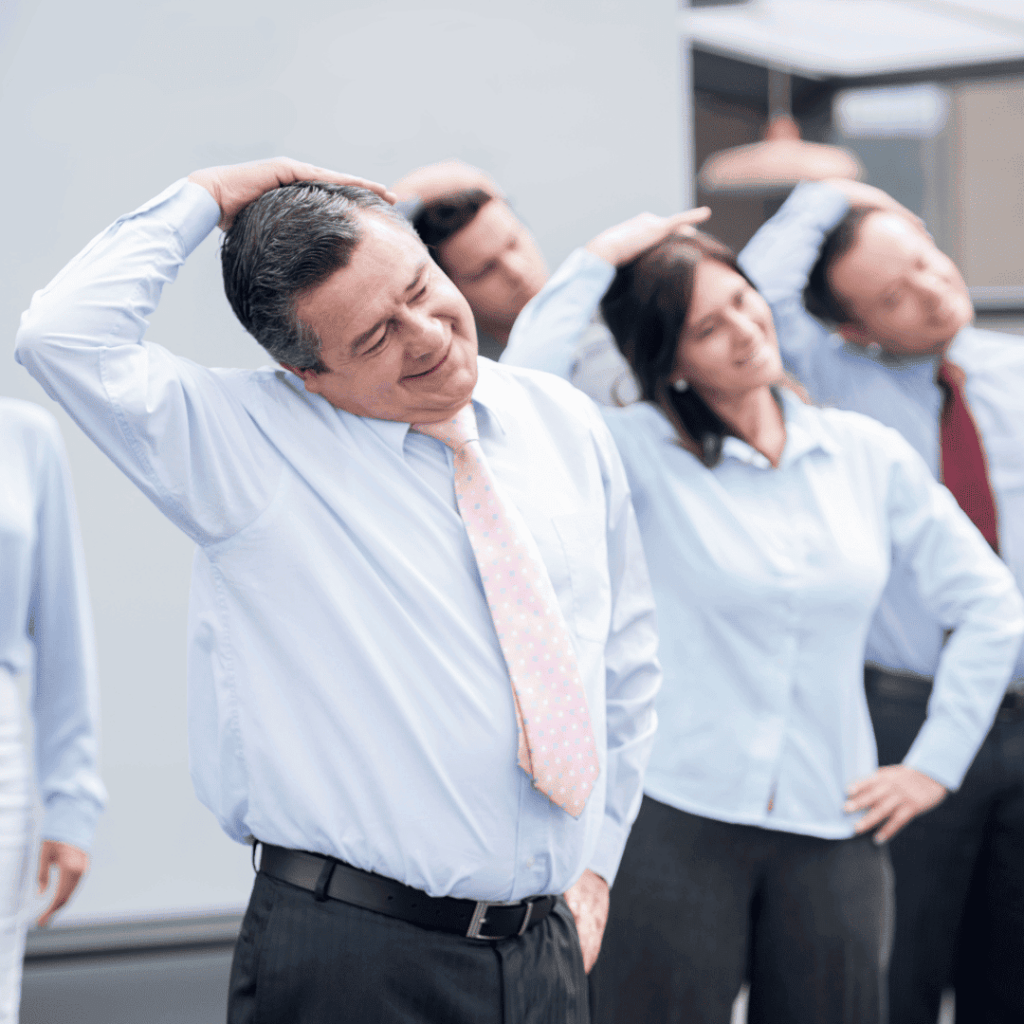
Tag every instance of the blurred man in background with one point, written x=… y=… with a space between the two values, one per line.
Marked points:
x=493 y=259
x=871 y=316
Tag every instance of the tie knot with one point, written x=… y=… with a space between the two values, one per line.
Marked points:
x=454 y=432
x=951 y=375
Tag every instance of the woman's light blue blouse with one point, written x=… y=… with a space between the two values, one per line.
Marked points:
x=766 y=580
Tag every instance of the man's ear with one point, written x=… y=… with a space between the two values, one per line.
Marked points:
x=854 y=335
x=309 y=377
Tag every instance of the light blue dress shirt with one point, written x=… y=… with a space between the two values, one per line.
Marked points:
x=766 y=581
x=45 y=623
x=347 y=692
x=901 y=393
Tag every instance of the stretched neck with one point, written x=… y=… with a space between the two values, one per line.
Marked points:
x=498 y=331
x=755 y=417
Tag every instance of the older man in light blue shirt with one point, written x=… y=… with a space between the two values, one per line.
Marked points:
x=348 y=693
x=901 y=312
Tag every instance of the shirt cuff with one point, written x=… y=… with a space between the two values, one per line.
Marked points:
x=942 y=752
x=188 y=208
x=610 y=846
x=71 y=820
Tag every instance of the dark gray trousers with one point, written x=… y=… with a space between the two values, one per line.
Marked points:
x=299 y=961
x=959 y=879
x=697 y=900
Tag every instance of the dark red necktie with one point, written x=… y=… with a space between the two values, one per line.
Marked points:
x=964 y=468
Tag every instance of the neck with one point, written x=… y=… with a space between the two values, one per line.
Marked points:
x=755 y=417
x=498 y=332
x=893 y=351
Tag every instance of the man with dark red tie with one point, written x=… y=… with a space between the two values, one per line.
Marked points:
x=871 y=316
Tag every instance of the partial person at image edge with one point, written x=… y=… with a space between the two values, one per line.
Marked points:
x=45 y=626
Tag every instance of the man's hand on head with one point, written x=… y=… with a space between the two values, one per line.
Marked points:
x=588 y=900
x=71 y=864
x=234 y=186
x=891 y=797
x=624 y=242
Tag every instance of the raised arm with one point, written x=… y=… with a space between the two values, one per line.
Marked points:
x=174 y=427
x=974 y=596
x=780 y=256
x=547 y=331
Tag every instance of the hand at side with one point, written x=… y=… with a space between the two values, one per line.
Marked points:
x=71 y=864
x=588 y=901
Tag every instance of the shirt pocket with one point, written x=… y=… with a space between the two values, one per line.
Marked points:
x=583 y=540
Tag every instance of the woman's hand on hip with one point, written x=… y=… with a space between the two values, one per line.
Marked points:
x=891 y=797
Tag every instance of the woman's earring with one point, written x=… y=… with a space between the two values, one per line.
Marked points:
x=680 y=385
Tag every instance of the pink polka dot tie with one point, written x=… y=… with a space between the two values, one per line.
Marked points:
x=556 y=742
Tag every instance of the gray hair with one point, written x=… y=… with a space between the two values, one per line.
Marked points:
x=289 y=240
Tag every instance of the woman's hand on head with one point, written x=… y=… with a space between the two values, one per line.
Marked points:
x=624 y=242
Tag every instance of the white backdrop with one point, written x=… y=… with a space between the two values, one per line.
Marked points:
x=575 y=106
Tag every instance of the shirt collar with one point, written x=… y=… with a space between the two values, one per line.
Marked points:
x=805 y=433
x=487 y=397
x=909 y=365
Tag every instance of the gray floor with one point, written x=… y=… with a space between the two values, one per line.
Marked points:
x=172 y=988
x=167 y=988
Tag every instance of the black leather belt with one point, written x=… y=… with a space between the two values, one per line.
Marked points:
x=905 y=686
x=328 y=878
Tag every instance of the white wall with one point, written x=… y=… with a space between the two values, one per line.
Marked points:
x=574 y=105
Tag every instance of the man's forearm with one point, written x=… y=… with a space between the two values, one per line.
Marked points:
x=547 y=332
x=779 y=258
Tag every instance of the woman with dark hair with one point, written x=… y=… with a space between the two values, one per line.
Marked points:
x=769 y=527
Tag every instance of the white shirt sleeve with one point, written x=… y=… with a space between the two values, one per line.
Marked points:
x=547 y=332
x=64 y=697
x=632 y=672
x=175 y=428
x=971 y=593
x=779 y=259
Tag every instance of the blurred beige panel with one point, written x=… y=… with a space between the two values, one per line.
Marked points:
x=987 y=186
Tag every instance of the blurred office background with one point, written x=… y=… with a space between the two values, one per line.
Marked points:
x=587 y=111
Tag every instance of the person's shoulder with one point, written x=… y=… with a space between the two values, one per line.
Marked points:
x=26 y=421
x=980 y=350
x=514 y=383
x=847 y=429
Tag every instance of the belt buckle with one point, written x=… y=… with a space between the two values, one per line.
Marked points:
x=479 y=918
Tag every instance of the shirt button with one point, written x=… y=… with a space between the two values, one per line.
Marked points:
x=529 y=862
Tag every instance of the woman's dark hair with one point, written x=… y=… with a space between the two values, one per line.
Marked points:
x=820 y=298
x=437 y=221
x=646 y=308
